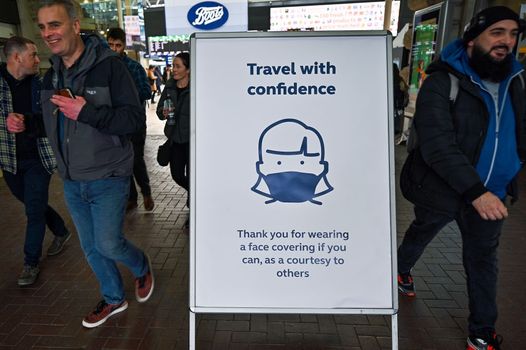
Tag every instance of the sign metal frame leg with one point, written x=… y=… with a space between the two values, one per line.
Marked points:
x=191 y=340
x=394 y=331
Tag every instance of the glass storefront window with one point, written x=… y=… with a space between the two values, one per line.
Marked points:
x=100 y=15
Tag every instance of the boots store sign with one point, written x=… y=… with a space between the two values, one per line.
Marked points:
x=208 y=15
x=189 y=16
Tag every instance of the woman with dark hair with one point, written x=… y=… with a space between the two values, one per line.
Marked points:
x=177 y=90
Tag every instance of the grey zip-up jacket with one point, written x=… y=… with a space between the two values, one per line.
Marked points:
x=96 y=145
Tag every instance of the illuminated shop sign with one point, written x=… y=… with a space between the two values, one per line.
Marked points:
x=207 y=15
x=192 y=16
x=348 y=16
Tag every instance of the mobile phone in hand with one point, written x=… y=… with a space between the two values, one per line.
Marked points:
x=66 y=92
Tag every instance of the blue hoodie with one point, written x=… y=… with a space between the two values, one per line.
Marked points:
x=499 y=161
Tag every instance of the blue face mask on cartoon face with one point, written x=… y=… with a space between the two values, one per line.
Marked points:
x=292 y=186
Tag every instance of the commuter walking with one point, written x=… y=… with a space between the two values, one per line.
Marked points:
x=152 y=78
x=401 y=99
x=158 y=79
x=167 y=73
x=26 y=158
x=88 y=132
x=117 y=42
x=177 y=128
x=469 y=149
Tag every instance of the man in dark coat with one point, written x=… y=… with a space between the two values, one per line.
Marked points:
x=467 y=157
x=117 y=41
x=26 y=157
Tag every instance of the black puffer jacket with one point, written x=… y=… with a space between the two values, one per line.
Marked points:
x=180 y=132
x=440 y=173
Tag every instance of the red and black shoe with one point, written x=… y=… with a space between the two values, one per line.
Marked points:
x=406 y=286
x=102 y=312
x=491 y=342
x=144 y=284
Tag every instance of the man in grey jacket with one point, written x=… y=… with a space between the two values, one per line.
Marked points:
x=90 y=106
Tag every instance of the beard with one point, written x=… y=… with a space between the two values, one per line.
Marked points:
x=489 y=68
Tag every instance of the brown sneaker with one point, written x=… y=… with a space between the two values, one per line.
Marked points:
x=144 y=285
x=148 y=203
x=131 y=205
x=102 y=312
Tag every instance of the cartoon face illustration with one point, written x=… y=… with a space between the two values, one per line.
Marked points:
x=291 y=165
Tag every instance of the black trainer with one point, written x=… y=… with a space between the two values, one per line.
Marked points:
x=406 y=286
x=58 y=244
x=28 y=276
x=491 y=342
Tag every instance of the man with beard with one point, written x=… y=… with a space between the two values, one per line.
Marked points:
x=465 y=162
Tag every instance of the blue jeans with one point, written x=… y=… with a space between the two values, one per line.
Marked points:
x=97 y=208
x=480 y=239
x=30 y=185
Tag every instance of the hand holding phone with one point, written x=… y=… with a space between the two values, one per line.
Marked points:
x=66 y=92
x=70 y=106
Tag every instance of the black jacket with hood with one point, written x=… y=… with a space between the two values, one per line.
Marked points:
x=439 y=174
x=180 y=132
x=97 y=145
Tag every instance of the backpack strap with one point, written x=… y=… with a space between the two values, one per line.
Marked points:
x=412 y=140
x=523 y=84
x=453 y=90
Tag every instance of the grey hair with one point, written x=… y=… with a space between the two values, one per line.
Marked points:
x=71 y=6
x=16 y=44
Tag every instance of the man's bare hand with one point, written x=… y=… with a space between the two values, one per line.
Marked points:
x=71 y=107
x=490 y=207
x=15 y=123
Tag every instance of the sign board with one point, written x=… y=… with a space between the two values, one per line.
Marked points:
x=292 y=173
x=184 y=17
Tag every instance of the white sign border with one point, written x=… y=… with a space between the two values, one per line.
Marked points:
x=193 y=108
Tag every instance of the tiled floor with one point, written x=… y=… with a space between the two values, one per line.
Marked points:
x=48 y=314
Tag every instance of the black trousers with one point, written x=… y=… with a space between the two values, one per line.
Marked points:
x=140 y=173
x=180 y=165
x=30 y=186
x=480 y=239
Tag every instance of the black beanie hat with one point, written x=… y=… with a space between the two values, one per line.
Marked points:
x=487 y=17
